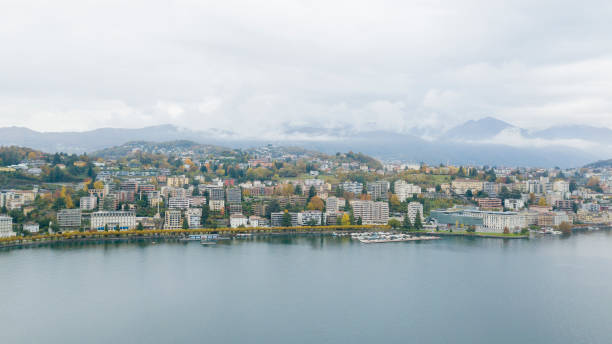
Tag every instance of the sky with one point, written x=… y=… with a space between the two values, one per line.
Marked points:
x=263 y=66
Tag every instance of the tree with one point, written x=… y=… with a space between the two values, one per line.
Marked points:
x=312 y=192
x=140 y=226
x=394 y=223
x=471 y=229
x=542 y=202
x=185 y=224
x=204 y=217
x=316 y=203
x=417 y=221
x=565 y=228
x=407 y=224
x=469 y=194
x=298 y=189
x=506 y=230
x=286 y=219
x=345 y=220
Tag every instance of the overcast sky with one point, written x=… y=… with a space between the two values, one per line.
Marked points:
x=247 y=66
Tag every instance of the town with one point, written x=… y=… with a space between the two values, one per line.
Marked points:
x=184 y=185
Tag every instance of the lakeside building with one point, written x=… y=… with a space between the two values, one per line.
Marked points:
x=6 y=227
x=123 y=220
x=483 y=221
x=405 y=190
x=370 y=212
x=276 y=219
x=69 y=219
x=31 y=227
x=173 y=219
x=333 y=205
x=237 y=220
x=414 y=209
x=88 y=203
x=310 y=217
x=194 y=217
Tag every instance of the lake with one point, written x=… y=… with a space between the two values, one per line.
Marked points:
x=311 y=289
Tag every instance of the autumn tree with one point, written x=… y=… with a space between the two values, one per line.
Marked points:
x=316 y=203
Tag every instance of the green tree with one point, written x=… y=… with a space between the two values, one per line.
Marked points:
x=469 y=194
x=286 y=219
x=407 y=225
x=394 y=223
x=417 y=221
x=140 y=226
x=185 y=224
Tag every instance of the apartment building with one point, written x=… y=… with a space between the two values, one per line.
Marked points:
x=404 y=190
x=173 y=219
x=88 y=203
x=69 y=219
x=123 y=220
x=414 y=209
x=6 y=227
x=370 y=212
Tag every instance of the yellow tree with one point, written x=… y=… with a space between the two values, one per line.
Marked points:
x=99 y=185
x=542 y=202
x=316 y=203
x=346 y=220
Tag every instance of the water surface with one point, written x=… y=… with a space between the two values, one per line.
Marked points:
x=311 y=289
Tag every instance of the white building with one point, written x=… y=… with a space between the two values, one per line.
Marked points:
x=31 y=227
x=173 y=219
x=415 y=208
x=88 y=203
x=405 y=190
x=311 y=217
x=237 y=220
x=6 y=227
x=333 y=205
x=561 y=186
x=216 y=205
x=124 y=220
x=178 y=203
x=514 y=204
x=354 y=187
x=371 y=212
x=194 y=216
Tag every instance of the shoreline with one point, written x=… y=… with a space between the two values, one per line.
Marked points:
x=178 y=234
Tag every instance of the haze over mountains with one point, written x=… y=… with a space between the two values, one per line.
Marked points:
x=484 y=141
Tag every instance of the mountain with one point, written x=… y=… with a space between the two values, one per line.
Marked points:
x=600 y=164
x=576 y=132
x=483 y=128
x=487 y=141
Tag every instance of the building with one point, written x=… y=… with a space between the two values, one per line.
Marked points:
x=123 y=220
x=177 y=181
x=276 y=219
x=553 y=218
x=461 y=186
x=194 y=217
x=514 y=204
x=333 y=205
x=483 y=221
x=371 y=212
x=173 y=219
x=88 y=203
x=257 y=221
x=354 y=187
x=415 y=208
x=491 y=189
x=310 y=218
x=405 y=190
x=69 y=218
x=489 y=203
x=216 y=205
x=238 y=220
x=6 y=227
x=215 y=193
x=235 y=208
x=234 y=195
x=31 y=227
x=178 y=203
x=565 y=205
x=378 y=189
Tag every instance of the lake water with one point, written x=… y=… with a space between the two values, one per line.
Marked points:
x=311 y=289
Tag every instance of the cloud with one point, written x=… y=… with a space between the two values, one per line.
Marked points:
x=248 y=67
